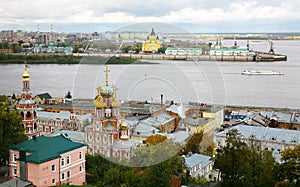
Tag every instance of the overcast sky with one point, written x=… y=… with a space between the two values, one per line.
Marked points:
x=191 y=15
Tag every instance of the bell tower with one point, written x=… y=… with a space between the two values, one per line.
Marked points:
x=27 y=107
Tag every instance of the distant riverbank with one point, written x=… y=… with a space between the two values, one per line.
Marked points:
x=64 y=59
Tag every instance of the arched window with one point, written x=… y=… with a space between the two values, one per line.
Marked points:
x=28 y=114
x=22 y=115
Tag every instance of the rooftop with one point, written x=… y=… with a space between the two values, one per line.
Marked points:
x=194 y=159
x=44 y=148
x=266 y=134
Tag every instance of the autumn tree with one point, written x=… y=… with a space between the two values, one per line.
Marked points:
x=11 y=129
x=155 y=139
x=289 y=169
x=193 y=144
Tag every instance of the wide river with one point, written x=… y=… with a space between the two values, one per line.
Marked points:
x=202 y=81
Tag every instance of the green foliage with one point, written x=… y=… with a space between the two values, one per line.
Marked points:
x=200 y=180
x=102 y=172
x=241 y=165
x=4 y=45
x=194 y=143
x=11 y=129
x=155 y=139
x=162 y=49
x=16 y=47
x=290 y=168
x=210 y=151
x=39 y=59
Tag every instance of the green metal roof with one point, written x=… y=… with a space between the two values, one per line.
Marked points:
x=44 y=148
x=44 y=96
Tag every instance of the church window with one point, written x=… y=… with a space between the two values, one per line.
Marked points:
x=28 y=115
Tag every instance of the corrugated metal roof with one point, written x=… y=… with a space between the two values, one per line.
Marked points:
x=266 y=134
x=195 y=159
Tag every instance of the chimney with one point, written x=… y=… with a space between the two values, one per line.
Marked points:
x=23 y=166
x=161 y=99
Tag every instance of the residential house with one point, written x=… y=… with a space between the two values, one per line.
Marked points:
x=48 y=161
x=44 y=98
x=200 y=165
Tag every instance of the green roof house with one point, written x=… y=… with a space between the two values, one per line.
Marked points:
x=44 y=98
x=48 y=161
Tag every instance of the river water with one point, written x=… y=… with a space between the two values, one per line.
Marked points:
x=202 y=81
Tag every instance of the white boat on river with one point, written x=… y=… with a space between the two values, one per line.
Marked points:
x=260 y=72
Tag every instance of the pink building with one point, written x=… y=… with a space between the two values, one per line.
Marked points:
x=109 y=133
x=48 y=161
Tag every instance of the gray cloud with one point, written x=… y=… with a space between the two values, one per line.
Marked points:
x=207 y=12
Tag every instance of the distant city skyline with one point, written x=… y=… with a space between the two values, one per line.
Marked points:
x=195 y=16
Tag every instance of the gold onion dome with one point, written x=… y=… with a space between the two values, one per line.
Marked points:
x=123 y=125
x=115 y=103
x=26 y=75
x=99 y=103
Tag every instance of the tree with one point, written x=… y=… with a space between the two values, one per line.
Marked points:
x=155 y=139
x=162 y=174
x=16 y=47
x=241 y=165
x=289 y=169
x=11 y=129
x=210 y=149
x=194 y=143
x=200 y=180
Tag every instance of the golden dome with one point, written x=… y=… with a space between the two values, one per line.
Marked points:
x=26 y=75
x=115 y=103
x=123 y=125
x=99 y=103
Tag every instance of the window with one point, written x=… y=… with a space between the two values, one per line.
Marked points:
x=15 y=171
x=62 y=162
x=80 y=155
x=62 y=176
x=14 y=158
x=53 y=167
x=68 y=174
x=68 y=160
x=80 y=168
x=53 y=181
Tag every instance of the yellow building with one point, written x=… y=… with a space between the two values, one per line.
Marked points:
x=152 y=43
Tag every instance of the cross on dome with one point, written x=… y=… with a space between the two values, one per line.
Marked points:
x=106 y=73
